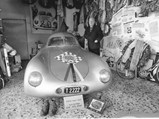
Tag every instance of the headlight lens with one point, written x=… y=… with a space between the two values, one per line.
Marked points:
x=35 y=79
x=104 y=75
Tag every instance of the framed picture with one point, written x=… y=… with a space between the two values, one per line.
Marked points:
x=96 y=105
x=43 y=20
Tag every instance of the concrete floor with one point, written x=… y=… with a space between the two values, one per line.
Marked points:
x=137 y=97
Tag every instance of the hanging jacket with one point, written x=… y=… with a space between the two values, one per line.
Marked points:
x=78 y=3
x=81 y=19
x=60 y=10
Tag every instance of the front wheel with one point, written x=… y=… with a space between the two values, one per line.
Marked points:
x=122 y=71
x=157 y=74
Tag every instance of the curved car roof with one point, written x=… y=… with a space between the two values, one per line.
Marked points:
x=61 y=35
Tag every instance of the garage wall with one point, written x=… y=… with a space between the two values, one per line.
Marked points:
x=15 y=9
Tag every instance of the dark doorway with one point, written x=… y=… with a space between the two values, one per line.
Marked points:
x=16 y=36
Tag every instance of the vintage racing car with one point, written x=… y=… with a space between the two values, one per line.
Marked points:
x=63 y=68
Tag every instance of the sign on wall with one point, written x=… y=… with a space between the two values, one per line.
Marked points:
x=43 y=20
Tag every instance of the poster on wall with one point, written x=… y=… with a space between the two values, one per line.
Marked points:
x=43 y=18
x=153 y=29
x=117 y=30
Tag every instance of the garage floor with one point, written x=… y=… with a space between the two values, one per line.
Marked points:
x=137 y=97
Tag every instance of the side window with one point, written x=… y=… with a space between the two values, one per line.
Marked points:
x=70 y=41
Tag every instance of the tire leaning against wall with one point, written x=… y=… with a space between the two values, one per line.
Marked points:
x=2 y=83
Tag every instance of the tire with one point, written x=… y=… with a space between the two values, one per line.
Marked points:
x=2 y=83
x=121 y=72
x=157 y=74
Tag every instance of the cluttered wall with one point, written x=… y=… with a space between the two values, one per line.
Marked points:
x=132 y=43
x=135 y=20
x=122 y=21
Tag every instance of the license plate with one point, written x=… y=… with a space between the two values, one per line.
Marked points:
x=72 y=90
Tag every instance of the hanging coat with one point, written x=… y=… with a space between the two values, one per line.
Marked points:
x=60 y=11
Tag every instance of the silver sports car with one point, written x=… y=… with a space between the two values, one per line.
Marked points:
x=63 y=68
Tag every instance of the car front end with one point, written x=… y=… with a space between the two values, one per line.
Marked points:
x=40 y=85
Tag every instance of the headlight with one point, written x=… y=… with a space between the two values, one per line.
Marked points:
x=104 y=76
x=35 y=79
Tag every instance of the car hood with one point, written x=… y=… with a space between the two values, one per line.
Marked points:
x=59 y=68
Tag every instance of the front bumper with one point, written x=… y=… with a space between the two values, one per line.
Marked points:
x=77 y=88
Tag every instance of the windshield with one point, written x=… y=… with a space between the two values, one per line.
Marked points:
x=70 y=41
x=56 y=41
x=59 y=41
